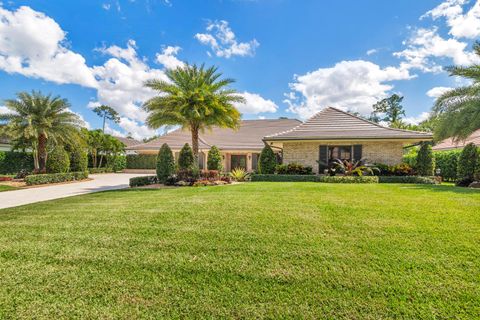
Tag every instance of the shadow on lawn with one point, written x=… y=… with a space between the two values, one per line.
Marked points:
x=438 y=188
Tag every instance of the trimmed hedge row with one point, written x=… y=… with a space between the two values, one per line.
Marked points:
x=37 y=179
x=348 y=179
x=14 y=162
x=141 y=161
x=143 y=181
x=100 y=170
x=284 y=178
x=407 y=179
x=342 y=179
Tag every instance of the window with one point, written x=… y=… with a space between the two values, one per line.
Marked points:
x=339 y=152
x=201 y=160
x=238 y=161
x=255 y=158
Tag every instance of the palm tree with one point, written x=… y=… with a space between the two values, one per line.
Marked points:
x=458 y=110
x=196 y=99
x=35 y=120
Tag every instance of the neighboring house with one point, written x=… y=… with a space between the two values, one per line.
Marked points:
x=450 y=144
x=239 y=148
x=5 y=144
x=334 y=134
x=128 y=142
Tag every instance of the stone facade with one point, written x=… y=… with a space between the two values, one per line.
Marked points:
x=307 y=153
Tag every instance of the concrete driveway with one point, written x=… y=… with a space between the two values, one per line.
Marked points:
x=100 y=182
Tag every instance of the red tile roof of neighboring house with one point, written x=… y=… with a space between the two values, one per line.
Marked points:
x=449 y=144
x=335 y=124
x=128 y=141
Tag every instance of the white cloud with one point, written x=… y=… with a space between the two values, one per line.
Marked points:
x=416 y=120
x=4 y=110
x=106 y=6
x=371 y=51
x=168 y=57
x=349 y=85
x=462 y=25
x=222 y=40
x=138 y=130
x=255 y=104
x=82 y=119
x=437 y=91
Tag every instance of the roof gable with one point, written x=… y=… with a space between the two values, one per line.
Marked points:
x=332 y=123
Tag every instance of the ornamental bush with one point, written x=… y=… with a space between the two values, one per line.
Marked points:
x=58 y=161
x=37 y=179
x=78 y=160
x=14 y=162
x=165 y=163
x=185 y=159
x=467 y=162
x=267 y=161
x=214 y=161
x=116 y=162
x=425 y=164
x=142 y=181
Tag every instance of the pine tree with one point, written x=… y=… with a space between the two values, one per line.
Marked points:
x=165 y=163
x=425 y=160
x=186 y=159
x=267 y=161
x=214 y=161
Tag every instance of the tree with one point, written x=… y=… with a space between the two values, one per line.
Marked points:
x=425 y=161
x=194 y=98
x=467 y=162
x=35 y=120
x=165 y=163
x=391 y=107
x=214 y=161
x=106 y=113
x=186 y=160
x=458 y=109
x=58 y=161
x=267 y=161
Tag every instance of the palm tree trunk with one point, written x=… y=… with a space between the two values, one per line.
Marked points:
x=42 y=153
x=195 y=145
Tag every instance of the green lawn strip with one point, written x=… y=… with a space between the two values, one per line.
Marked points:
x=255 y=250
x=7 y=188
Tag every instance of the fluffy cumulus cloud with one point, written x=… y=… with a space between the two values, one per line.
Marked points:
x=437 y=91
x=416 y=120
x=223 y=41
x=349 y=85
x=255 y=104
x=168 y=57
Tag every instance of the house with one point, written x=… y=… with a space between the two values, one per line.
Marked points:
x=128 y=142
x=239 y=148
x=450 y=144
x=334 y=134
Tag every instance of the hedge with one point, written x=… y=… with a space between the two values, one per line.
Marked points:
x=284 y=178
x=141 y=161
x=100 y=170
x=447 y=162
x=348 y=179
x=14 y=162
x=142 y=181
x=37 y=179
x=407 y=179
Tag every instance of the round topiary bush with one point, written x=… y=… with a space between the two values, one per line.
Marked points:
x=467 y=162
x=58 y=161
x=165 y=163
x=425 y=163
x=78 y=160
x=214 y=161
x=267 y=161
x=185 y=159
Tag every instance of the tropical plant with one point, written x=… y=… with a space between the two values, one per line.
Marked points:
x=214 y=161
x=353 y=168
x=194 y=98
x=58 y=161
x=186 y=159
x=458 y=110
x=106 y=113
x=239 y=174
x=425 y=164
x=165 y=163
x=35 y=120
x=268 y=161
x=467 y=162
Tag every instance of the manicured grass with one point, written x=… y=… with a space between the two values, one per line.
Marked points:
x=6 y=188
x=256 y=250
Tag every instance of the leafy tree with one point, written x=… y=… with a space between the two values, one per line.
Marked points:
x=58 y=161
x=458 y=109
x=165 y=163
x=267 y=161
x=467 y=162
x=107 y=113
x=214 y=161
x=78 y=159
x=425 y=162
x=194 y=98
x=36 y=120
x=391 y=107
x=186 y=159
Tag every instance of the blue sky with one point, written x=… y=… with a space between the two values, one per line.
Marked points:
x=290 y=58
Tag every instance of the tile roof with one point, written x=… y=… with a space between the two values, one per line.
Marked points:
x=248 y=137
x=449 y=143
x=128 y=141
x=335 y=124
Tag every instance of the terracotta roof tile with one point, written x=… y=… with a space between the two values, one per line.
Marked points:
x=449 y=144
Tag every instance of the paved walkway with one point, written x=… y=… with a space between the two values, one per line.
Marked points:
x=100 y=182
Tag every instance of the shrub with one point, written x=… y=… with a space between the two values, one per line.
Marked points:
x=467 y=162
x=141 y=161
x=410 y=157
x=214 y=161
x=165 y=163
x=293 y=168
x=116 y=162
x=14 y=162
x=267 y=161
x=407 y=179
x=188 y=175
x=142 y=181
x=99 y=170
x=37 y=179
x=425 y=162
x=284 y=178
x=210 y=174
x=239 y=174
x=402 y=169
x=464 y=182
x=78 y=160
x=185 y=159
x=58 y=161
x=348 y=179
x=447 y=162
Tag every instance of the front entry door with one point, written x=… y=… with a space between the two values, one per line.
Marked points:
x=238 y=161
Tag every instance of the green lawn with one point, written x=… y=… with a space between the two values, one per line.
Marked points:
x=6 y=188
x=257 y=250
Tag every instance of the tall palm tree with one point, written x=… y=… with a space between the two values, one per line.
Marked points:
x=458 y=110
x=194 y=98
x=35 y=120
